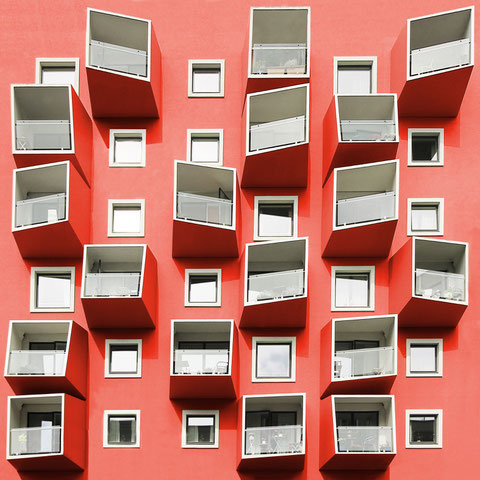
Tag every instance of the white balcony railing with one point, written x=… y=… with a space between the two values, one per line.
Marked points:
x=275 y=285
x=444 y=285
x=274 y=440
x=201 y=362
x=368 y=130
x=365 y=439
x=380 y=206
x=112 y=284
x=288 y=131
x=202 y=208
x=440 y=57
x=36 y=362
x=118 y=58
x=279 y=59
x=364 y=362
x=35 y=440
x=42 y=135
x=46 y=209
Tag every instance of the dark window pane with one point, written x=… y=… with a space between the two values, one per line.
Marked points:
x=425 y=148
x=423 y=428
x=200 y=429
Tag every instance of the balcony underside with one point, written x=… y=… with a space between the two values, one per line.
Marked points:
x=202 y=386
x=25 y=384
x=356 y=386
x=359 y=461
x=293 y=462
x=44 y=463
x=259 y=83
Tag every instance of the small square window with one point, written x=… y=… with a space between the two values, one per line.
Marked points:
x=200 y=428
x=206 y=78
x=274 y=359
x=425 y=147
x=353 y=288
x=203 y=288
x=58 y=71
x=355 y=75
x=127 y=148
x=121 y=429
x=423 y=428
x=52 y=289
x=425 y=357
x=123 y=358
x=425 y=216
x=275 y=217
x=205 y=146
x=126 y=218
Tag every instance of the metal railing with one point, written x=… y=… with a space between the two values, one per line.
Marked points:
x=275 y=285
x=43 y=135
x=117 y=58
x=201 y=362
x=365 y=439
x=274 y=440
x=364 y=362
x=278 y=133
x=440 y=57
x=46 y=209
x=368 y=130
x=202 y=208
x=444 y=285
x=368 y=208
x=36 y=362
x=112 y=284
x=279 y=59
x=35 y=440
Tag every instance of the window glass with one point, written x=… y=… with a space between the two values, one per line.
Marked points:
x=128 y=150
x=425 y=148
x=423 y=358
x=352 y=289
x=123 y=358
x=206 y=80
x=122 y=429
x=424 y=217
x=200 y=430
x=202 y=288
x=423 y=429
x=126 y=219
x=204 y=149
x=357 y=419
x=53 y=290
x=275 y=220
x=58 y=75
x=273 y=360
x=354 y=79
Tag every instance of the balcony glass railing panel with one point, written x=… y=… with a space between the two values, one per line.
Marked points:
x=36 y=362
x=35 y=440
x=274 y=440
x=43 y=135
x=46 y=209
x=201 y=208
x=279 y=59
x=275 y=285
x=368 y=208
x=365 y=439
x=442 y=285
x=112 y=284
x=288 y=131
x=201 y=362
x=368 y=130
x=364 y=362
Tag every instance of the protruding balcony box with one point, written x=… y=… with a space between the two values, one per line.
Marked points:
x=359 y=355
x=358 y=432
x=49 y=123
x=203 y=359
x=276 y=279
x=429 y=283
x=119 y=286
x=50 y=211
x=360 y=212
x=431 y=63
x=272 y=435
x=46 y=432
x=205 y=211
x=277 y=124
x=359 y=129
x=47 y=356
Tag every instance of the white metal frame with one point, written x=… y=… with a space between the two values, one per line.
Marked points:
x=137 y=202
x=360 y=61
x=34 y=271
x=192 y=132
x=203 y=271
x=293 y=358
x=439 y=203
x=353 y=269
x=439 y=132
x=215 y=413
x=107 y=413
x=108 y=343
x=438 y=342
x=217 y=63
x=127 y=132
x=58 y=62
x=439 y=427
x=292 y=199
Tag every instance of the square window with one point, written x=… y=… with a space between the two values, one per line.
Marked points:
x=425 y=216
x=205 y=146
x=206 y=78
x=425 y=357
x=126 y=218
x=274 y=359
x=355 y=75
x=121 y=429
x=423 y=428
x=52 y=289
x=203 y=287
x=275 y=217
x=353 y=288
x=58 y=71
x=200 y=428
x=425 y=147
x=123 y=358
x=127 y=148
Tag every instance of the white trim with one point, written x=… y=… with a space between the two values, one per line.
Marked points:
x=423 y=132
x=438 y=424
x=270 y=200
x=439 y=203
x=185 y=413
x=107 y=413
x=426 y=341
x=354 y=269
x=126 y=132
x=203 y=271
x=205 y=132
x=58 y=62
x=108 y=343
x=137 y=202
x=355 y=61
x=34 y=271
x=274 y=340
x=203 y=64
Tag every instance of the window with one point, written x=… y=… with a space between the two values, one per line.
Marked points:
x=203 y=288
x=353 y=288
x=424 y=357
x=273 y=359
x=425 y=147
x=205 y=146
x=121 y=429
x=355 y=75
x=127 y=148
x=425 y=216
x=275 y=218
x=58 y=71
x=206 y=78
x=200 y=428
x=126 y=218
x=423 y=429
x=52 y=289
x=123 y=358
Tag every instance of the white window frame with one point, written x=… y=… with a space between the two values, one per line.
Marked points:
x=34 y=271
x=353 y=269
x=58 y=62
x=439 y=203
x=215 y=413
x=203 y=271
x=191 y=132
x=438 y=342
x=126 y=132
x=108 y=343
x=275 y=340
x=219 y=63
x=275 y=199
x=438 y=426
x=107 y=413
x=426 y=132
x=360 y=61
x=137 y=202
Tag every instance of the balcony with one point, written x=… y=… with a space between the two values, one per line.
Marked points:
x=273 y=432
x=122 y=55
x=275 y=284
x=45 y=219
x=205 y=211
x=119 y=286
x=361 y=203
x=277 y=125
x=429 y=282
x=431 y=54
x=46 y=432
x=203 y=359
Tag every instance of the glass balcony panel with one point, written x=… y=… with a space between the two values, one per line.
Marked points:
x=201 y=362
x=118 y=58
x=365 y=439
x=368 y=130
x=206 y=209
x=364 y=362
x=368 y=208
x=275 y=134
x=35 y=440
x=46 y=209
x=274 y=440
x=279 y=59
x=42 y=135
x=112 y=284
x=444 y=285
x=36 y=362
x=275 y=285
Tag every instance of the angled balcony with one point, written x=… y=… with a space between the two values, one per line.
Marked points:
x=119 y=286
x=276 y=280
